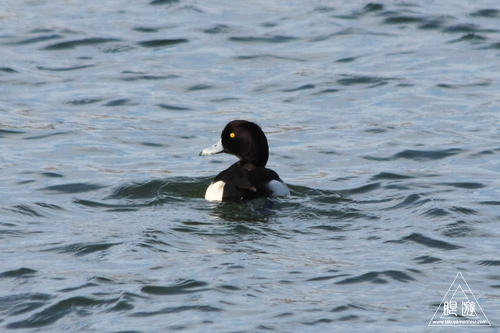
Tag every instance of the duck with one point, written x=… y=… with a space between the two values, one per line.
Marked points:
x=248 y=178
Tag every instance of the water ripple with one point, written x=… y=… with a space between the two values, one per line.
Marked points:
x=80 y=249
x=64 y=69
x=60 y=310
x=411 y=201
x=180 y=288
x=403 y=19
x=270 y=39
x=378 y=277
x=426 y=241
x=26 y=210
x=173 y=107
x=467 y=28
x=218 y=29
x=160 y=43
x=178 y=309
x=489 y=263
x=72 y=188
x=6 y=132
x=371 y=81
x=76 y=43
x=163 y=2
x=426 y=260
x=17 y=304
x=487 y=13
x=38 y=39
x=420 y=155
x=458 y=229
x=18 y=273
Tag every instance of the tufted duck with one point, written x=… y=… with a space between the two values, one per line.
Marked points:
x=248 y=178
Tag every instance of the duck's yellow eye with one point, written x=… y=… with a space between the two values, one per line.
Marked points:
x=232 y=135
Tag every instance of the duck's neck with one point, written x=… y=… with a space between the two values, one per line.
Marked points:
x=257 y=157
x=252 y=165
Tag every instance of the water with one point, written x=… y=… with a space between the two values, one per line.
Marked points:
x=382 y=117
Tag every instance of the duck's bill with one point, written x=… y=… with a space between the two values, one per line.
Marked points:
x=215 y=149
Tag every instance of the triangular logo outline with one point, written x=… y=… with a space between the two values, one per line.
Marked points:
x=451 y=314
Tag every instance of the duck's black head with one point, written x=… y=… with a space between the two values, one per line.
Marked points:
x=245 y=140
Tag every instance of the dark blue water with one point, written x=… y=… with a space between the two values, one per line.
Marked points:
x=381 y=116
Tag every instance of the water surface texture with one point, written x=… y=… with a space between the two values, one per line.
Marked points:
x=383 y=118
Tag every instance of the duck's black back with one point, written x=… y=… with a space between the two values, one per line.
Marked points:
x=242 y=183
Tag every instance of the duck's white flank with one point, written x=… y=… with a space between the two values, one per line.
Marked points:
x=277 y=188
x=214 y=191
